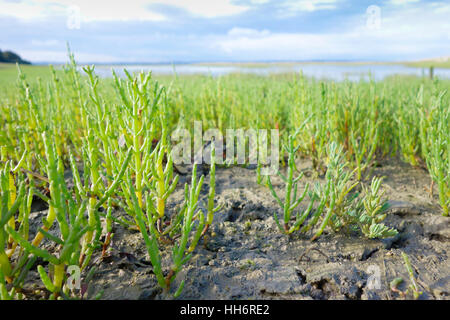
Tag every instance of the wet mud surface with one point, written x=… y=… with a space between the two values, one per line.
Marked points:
x=246 y=257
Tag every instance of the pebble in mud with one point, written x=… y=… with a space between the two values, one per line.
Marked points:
x=403 y=208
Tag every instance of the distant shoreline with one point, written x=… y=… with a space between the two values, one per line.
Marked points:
x=424 y=64
x=264 y=64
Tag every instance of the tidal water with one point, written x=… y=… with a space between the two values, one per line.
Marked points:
x=325 y=71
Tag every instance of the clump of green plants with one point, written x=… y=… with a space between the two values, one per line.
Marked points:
x=188 y=227
x=12 y=201
x=374 y=212
x=364 y=147
x=356 y=127
x=183 y=230
x=140 y=99
x=112 y=137
x=68 y=210
x=96 y=200
x=339 y=207
x=336 y=195
x=314 y=135
x=292 y=198
x=69 y=215
x=347 y=210
x=163 y=183
x=435 y=134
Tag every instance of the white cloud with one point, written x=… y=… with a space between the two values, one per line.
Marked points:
x=304 y=46
x=415 y=31
x=98 y=10
x=259 y=1
x=280 y=45
x=246 y=32
x=106 y=10
x=308 y=5
x=402 y=2
x=24 y=10
x=207 y=8
x=441 y=7
x=55 y=56
x=397 y=37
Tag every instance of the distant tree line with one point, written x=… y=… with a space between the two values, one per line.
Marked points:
x=11 y=57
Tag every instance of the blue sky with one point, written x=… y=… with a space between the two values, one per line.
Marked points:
x=225 y=30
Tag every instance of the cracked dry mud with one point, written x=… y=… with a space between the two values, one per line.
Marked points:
x=248 y=258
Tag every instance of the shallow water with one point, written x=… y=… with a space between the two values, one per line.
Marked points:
x=337 y=72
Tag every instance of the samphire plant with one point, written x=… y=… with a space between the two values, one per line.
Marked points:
x=162 y=183
x=68 y=210
x=70 y=218
x=292 y=199
x=374 y=212
x=211 y=208
x=185 y=228
x=188 y=227
x=336 y=195
x=435 y=135
x=68 y=118
x=413 y=286
x=339 y=206
x=11 y=202
x=347 y=210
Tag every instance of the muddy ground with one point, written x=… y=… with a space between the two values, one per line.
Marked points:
x=248 y=258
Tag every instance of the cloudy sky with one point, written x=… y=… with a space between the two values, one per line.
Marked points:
x=225 y=30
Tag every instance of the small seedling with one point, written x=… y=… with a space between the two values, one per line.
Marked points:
x=374 y=212
x=212 y=192
x=414 y=287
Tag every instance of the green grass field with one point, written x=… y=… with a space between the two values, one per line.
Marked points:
x=430 y=63
x=113 y=136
